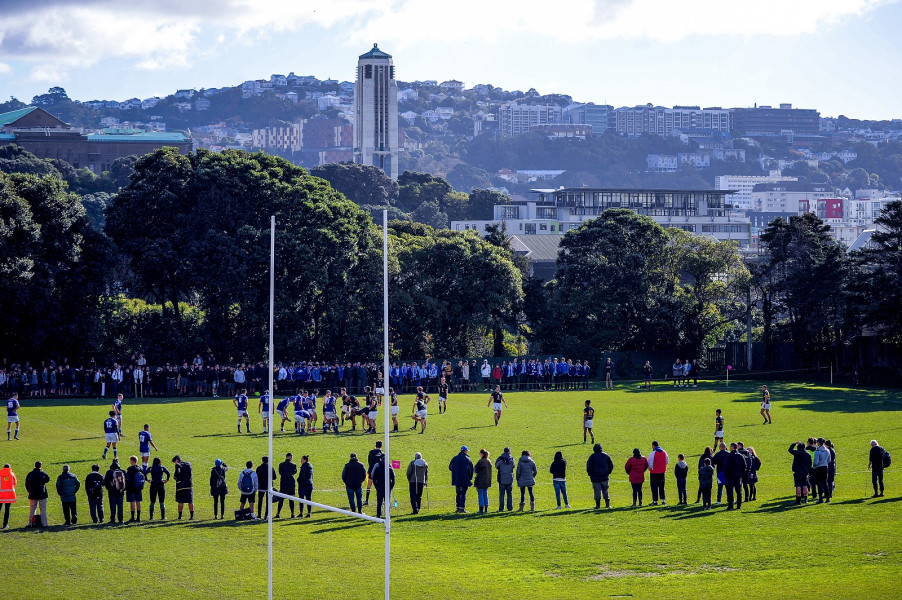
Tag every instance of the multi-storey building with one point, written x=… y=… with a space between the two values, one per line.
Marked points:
x=743 y=185
x=790 y=197
x=702 y=212
x=376 y=112
x=658 y=120
x=598 y=116
x=516 y=118
x=785 y=120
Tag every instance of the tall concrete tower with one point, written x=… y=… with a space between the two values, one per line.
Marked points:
x=376 y=112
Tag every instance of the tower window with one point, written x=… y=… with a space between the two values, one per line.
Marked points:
x=391 y=72
x=367 y=71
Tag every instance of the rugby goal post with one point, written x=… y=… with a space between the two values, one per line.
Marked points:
x=385 y=413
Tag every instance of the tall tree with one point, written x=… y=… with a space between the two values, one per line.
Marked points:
x=363 y=184
x=881 y=272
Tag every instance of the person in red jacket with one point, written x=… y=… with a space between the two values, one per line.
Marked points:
x=7 y=491
x=635 y=468
x=657 y=466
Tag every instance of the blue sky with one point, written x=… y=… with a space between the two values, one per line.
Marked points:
x=839 y=56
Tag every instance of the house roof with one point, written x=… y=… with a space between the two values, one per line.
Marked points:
x=375 y=53
x=862 y=241
x=8 y=118
x=537 y=248
x=137 y=137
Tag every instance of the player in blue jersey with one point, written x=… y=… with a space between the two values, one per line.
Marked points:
x=144 y=444
x=298 y=403
x=12 y=414
x=301 y=419
x=111 y=431
x=117 y=406
x=263 y=410
x=313 y=416
x=240 y=403
x=330 y=415
x=282 y=411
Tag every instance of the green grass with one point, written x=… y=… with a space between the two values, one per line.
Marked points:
x=849 y=549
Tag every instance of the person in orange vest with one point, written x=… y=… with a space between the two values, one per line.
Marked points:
x=7 y=491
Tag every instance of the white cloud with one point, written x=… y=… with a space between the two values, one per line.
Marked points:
x=5 y=69
x=57 y=36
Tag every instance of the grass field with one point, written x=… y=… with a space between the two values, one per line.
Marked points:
x=770 y=549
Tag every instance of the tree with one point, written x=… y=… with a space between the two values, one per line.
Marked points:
x=465 y=178
x=482 y=203
x=610 y=288
x=363 y=184
x=880 y=269
x=709 y=283
x=451 y=290
x=430 y=214
x=55 y=95
x=806 y=272
x=417 y=188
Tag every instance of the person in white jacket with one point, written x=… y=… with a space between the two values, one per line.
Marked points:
x=486 y=374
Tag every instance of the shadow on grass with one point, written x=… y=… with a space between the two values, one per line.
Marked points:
x=822 y=398
x=886 y=500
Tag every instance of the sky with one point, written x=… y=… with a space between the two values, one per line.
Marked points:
x=838 y=56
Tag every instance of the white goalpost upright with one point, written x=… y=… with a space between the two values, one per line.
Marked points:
x=386 y=410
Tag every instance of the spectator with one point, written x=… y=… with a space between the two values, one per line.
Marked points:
x=599 y=467
x=94 y=492
x=657 y=467
x=248 y=484
x=353 y=476
x=8 y=483
x=708 y=453
x=720 y=462
x=801 y=464
x=157 y=486
x=558 y=472
x=36 y=486
x=461 y=468
x=134 y=491
x=287 y=471
x=378 y=477
x=734 y=472
x=875 y=466
x=705 y=483
x=608 y=375
x=752 y=475
x=218 y=488
x=305 y=483
x=831 y=468
x=526 y=479
x=116 y=483
x=67 y=486
x=505 y=467
x=681 y=472
x=264 y=470
x=636 y=466
x=486 y=374
x=483 y=480
x=821 y=467
x=417 y=479
x=184 y=485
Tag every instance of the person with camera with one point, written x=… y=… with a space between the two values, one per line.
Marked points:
x=218 y=488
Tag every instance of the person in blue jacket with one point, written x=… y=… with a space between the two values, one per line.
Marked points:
x=461 y=468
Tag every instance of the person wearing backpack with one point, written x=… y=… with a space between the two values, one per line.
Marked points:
x=218 y=488
x=116 y=483
x=878 y=460
x=36 y=486
x=67 y=485
x=157 y=486
x=134 y=490
x=184 y=485
x=94 y=492
x=248 y=485
x=287 y=471
x=7 y=491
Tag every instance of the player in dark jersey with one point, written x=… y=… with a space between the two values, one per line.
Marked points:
x=496 y=402
x=718 y=428
x=419 y=409
x=588 y=415
x=111 y=431
x=346 y=407
x=240 y=403
x=395 y=409
x=443 y=397
x=765 y=405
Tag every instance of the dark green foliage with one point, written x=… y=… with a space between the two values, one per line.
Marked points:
x=363 y=184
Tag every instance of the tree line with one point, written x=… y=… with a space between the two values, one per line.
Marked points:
x=176 y=262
